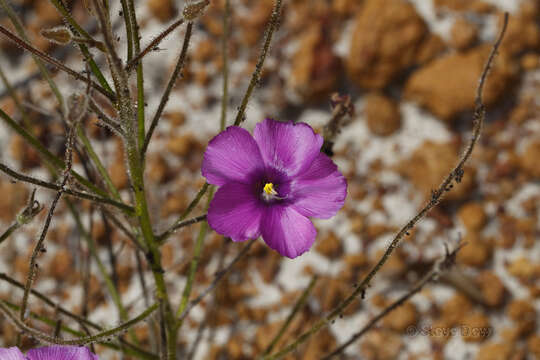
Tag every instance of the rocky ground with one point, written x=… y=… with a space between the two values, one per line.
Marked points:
x=411 y=69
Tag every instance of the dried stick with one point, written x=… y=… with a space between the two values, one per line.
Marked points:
x=272 y=26
x=455 y=175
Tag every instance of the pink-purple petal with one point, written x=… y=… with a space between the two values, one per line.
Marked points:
x=288 y=147
x=321 y=191
x=232 y=155
x=287 y=231
x=236 y=212
x=58 y=352
x=12 y=353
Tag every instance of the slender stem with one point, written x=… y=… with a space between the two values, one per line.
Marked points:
x=97 y=162
x=141 y=103
x=105 y=119
x=440 y=266
x=16 y=100
x=219 y=276
x=25 y=45
x=128 y=348
x=43 y=70
x=24 y=217
x=78 y=194
x=189 y=209
x=129 y=28
x=39 y=245
x=10 y=230
x=165 y=97
x=79 y=31
x=158 y=39
x=225 y=57
x=255 y=78
x=84 y=340
x=161 y=238
x=296 y=308
x=455 y=175
x=192 y=269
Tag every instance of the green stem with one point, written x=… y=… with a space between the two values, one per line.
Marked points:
x=194 y=262
x=97 y=162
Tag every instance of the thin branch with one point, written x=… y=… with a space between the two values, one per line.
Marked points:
x=19 y=28
x=129 y=348
x=39 y=245
x=220 y=275
x=18 y=41
x=440 y=266
x=78 y=194
x=225 y=56
x=455 y=175
x=105 y=119
x=255 y=78
x=81 y=340
x=342 y=109
x=28 y=214
x=165 y=235
x=296 y=308
x=165 y=97
x=131 y=64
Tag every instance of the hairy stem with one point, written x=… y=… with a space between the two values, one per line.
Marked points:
x=255 y=78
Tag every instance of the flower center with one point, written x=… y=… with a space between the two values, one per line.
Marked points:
x=269 y=193
x=269 y=189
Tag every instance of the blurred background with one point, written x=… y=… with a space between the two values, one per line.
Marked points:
x=411 y=69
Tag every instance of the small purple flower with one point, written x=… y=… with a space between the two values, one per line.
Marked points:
x=270 y=183
x=55 y=352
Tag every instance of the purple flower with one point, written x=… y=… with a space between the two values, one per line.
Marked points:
x=270 y=183
x=55 y=352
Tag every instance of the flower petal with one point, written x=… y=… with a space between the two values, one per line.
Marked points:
x=320 y=191
x=232 y=155
x=58 y=352
x=12 y=353
x=236 y=212
x=288 y=147
x=287 y=231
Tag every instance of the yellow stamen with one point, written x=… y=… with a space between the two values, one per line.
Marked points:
x=269 y=189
